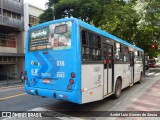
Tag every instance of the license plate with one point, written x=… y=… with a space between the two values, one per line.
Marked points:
x=46 y=81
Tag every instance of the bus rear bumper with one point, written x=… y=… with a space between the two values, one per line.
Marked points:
x=74 y=96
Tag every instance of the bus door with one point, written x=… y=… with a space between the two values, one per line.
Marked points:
x=108 y=68
x=131 y=68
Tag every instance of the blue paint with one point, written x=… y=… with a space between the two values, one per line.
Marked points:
x=59 y=76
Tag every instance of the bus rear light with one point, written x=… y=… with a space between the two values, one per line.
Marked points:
x=73 y=75
x=71 y=81
x=64 y=96
x=69 y=87
x=45 y=52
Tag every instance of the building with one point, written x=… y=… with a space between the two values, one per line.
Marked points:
x=11 y=39
x=15 y=16
x=31 y=16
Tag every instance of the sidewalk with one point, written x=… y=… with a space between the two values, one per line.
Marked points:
x=11 y=82
x=149 y=100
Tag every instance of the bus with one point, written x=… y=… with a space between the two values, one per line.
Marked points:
x=70 y=60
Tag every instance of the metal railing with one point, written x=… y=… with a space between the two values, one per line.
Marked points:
x=8 y=78
x=13 y=5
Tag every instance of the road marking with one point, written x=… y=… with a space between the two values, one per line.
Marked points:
x=5 y=98
x=57 y=114
x=157 y=74
x=152 y=73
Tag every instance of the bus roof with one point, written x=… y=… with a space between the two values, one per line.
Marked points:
x=89 y=27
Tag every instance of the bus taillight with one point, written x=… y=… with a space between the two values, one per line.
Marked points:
x=73 y=75
x=71 y=81
x=69 y=87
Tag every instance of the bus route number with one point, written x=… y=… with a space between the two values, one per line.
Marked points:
x=60 y=63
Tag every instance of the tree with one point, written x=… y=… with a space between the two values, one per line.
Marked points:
x=46 y=16
x=149 y=26
x=136 y=21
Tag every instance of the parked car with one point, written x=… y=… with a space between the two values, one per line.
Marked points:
x=152 y=63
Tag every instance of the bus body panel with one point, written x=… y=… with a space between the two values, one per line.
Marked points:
x=74 y=96
x=89 y=83
x=138 y=68
x=123 y=71
x=92 y=82
x=55 y=66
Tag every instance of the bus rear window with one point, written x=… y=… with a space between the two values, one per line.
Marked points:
x=60 y=29
x=55 y=36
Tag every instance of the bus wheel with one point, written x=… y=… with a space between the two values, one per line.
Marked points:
x=118 y=87
x=140 y=79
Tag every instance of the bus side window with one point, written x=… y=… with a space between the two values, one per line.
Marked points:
x=84 y=38
x=117 y=52
x=91 y=46
x=84 y=49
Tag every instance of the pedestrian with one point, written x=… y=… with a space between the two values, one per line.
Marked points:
x=22 y=76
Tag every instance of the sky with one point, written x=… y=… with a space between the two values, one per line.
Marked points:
x=38 y=3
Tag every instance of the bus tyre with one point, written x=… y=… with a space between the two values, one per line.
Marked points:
x=140 y=79
x=118 y=87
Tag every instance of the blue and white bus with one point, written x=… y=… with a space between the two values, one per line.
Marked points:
x=70 y=60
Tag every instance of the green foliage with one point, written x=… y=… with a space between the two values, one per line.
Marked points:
x=46 y=16
x=150 y=27
x=136 y=21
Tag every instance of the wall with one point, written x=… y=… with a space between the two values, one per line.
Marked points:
x=20 y=42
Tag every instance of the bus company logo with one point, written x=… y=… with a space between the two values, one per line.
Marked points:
x=6 y=114
x=39 y=33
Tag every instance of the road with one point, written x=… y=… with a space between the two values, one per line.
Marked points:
x=15 y=99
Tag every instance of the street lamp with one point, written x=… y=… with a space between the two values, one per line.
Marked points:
x=68 y=13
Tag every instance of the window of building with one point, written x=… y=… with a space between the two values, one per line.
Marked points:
x=33 y=20
x=1 y=59
x=91 y=46
x=4 y=12
x=14 y=15
x=7 y=40
x=19 y=16
x=9 y=13
x=5 y=58
x=18 y=0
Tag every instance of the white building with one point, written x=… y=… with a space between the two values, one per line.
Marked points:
x=31 y=16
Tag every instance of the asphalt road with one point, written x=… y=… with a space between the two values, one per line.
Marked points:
x=15 y=99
